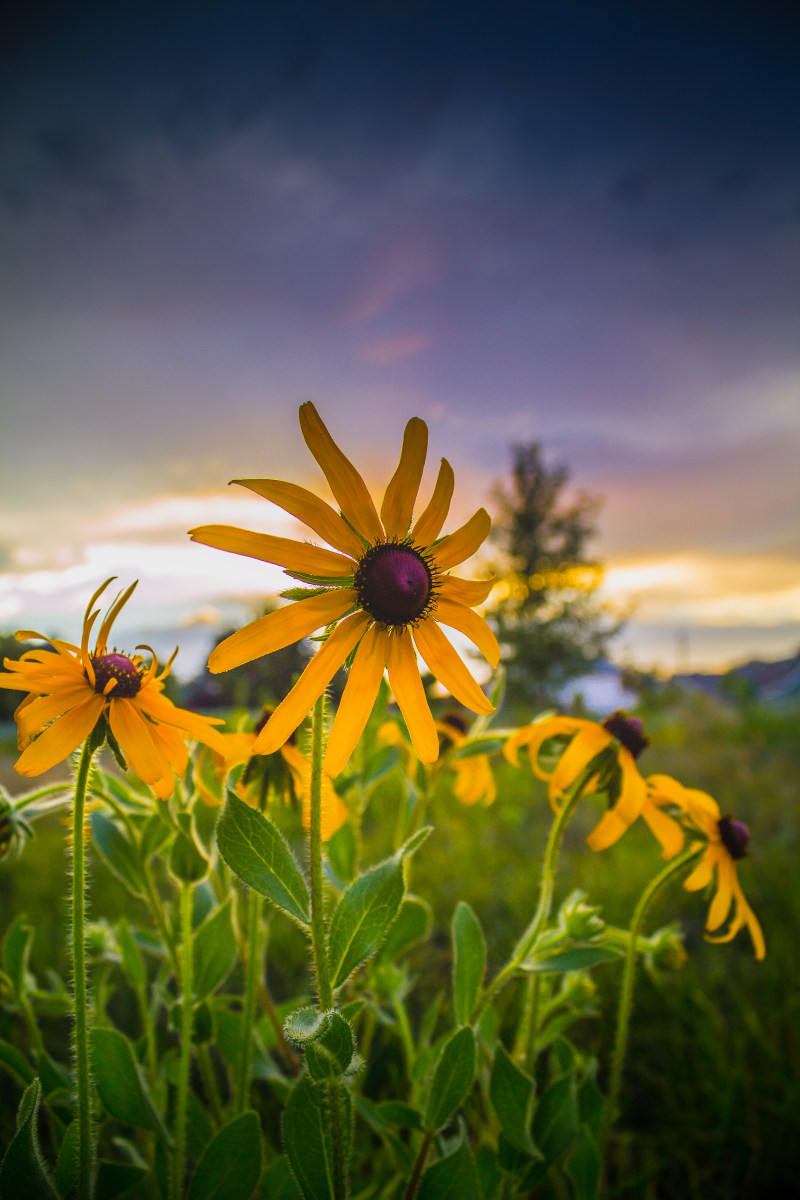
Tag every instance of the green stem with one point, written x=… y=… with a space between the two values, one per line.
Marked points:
x=253 y=971
x=413 y=1182
x=625 y=1005
x=184 y=1062
x=546 y=888
x=318 y=941
x=157 y=909
x=80 y=992
x=524 y=1044
x=318 y=932
x=210 y=1085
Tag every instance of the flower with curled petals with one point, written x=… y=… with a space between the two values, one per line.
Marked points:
x=726 y=843
x=475 y=782
x=71 y=688
x=582 y=741
x=382 y=593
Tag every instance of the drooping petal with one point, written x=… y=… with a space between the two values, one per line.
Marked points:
x=444 y=663
x=358 y=698
x=743 y=915
x=309 y=509
x=311 y=684
x=702 y=875
x=629 y=806
x=462 y=544
x=474 y=780
x=459 y=617
x=590 y=741
x=171 y=745
x=429 y=525
x=44 y=709
x=343 y=479
x=406 y=685
x=299 y=557
x=132 y=732
x=59 y=739
x=152 y=702
x=666 y=830
x=723 y=897
x=280 y=628
x=401 y=493
x=465 y=591
x=533 y=736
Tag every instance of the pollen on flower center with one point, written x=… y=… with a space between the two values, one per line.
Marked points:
x=394 y=583
x=119 y=667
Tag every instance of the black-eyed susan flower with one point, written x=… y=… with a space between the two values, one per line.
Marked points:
x=286 y=774
x=726 y=843
x=582 y=741
x=383 y=592
x=475 y=782
x=71 y=688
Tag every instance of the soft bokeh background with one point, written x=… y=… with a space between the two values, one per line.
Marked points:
x=572 y=222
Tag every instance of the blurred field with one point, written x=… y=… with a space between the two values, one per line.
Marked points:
x=712 y=1095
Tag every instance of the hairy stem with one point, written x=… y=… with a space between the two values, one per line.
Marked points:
x=253 y=971
x=80 y=1031
x=184 y=1062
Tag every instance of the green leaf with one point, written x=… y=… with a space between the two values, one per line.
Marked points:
x=412 y=924
x=329 y=1055
x=23 y=1175
x=452 y=1178
x=214 y=951
x=16 y=1062
x=186 y=860
x=116 y=1178
x=511 y=1093
x=341 y=853
x=231 y=1165
x=583 y=1165
x=278 y=1182
x=65 y=1175
x=469 y=961
x=452 y=1078
x=307 y=1140
x=556 y=1118
x=117 y=852
x=576 y=958
x=121 y=1084
x=592 y=1106
x=397 y=1113
x=260 y=856
x=304 y=1025
x=363 y=916
x=156 y=833
x=16 y=948
x=132 y=961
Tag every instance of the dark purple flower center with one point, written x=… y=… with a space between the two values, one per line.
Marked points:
x=455 y=721
x=735 y=836
x=628 y=731
x=119 y=667
x=393 y=583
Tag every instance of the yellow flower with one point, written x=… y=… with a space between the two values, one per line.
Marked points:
x=384 y=587
x=287 y=772
x=621 y=735
x=726 y=842
x=71 y=689
x=474 y=778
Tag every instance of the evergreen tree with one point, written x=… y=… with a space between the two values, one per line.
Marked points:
x=547 y=614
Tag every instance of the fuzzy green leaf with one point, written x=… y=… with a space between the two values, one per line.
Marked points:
x=329 y=1055
x=16 y=1062
x=116 y=1178
x=556 y=1119
x=452 y=1078
x=469 y=961
x=231 y=1165
x=260 y=856
x=413 y=924
x=307 y=1140
x=511 y=1093
x=118 y=853
x=363 y=916
x=132 y=961
x=121 y=1084
x=16 y=948
x=278 y=1182
x=583 y=1165
x=23 y=1175
x=451 y=1178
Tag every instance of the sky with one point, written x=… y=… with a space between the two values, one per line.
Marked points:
x=572 y=222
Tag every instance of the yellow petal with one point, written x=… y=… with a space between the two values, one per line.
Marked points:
x=111 y=616
x=164 y=712
x=280 y=628
x=459 y=617
x=462 y=544
x=401 y=494
x=406 y=685
x=44 y=709
x=344 y=480
x=358 y=698
x=474 y=780
x=723 y=897
x=334 y=810
x=311 y=684
x=132 y=732
x=299 y=557
x=587 y=743
x=534 y=735
x=702 y=874
x=667 y=831
x=429 y=525
x=309 y=509
x=465 y=591
x=61 y=738
x=448 y=668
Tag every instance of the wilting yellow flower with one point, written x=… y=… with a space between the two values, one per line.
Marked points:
x=474 y=777
x=287 y=773
x=384 y=586
x=71 y=689
x=726 y=842
x=624 y=737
